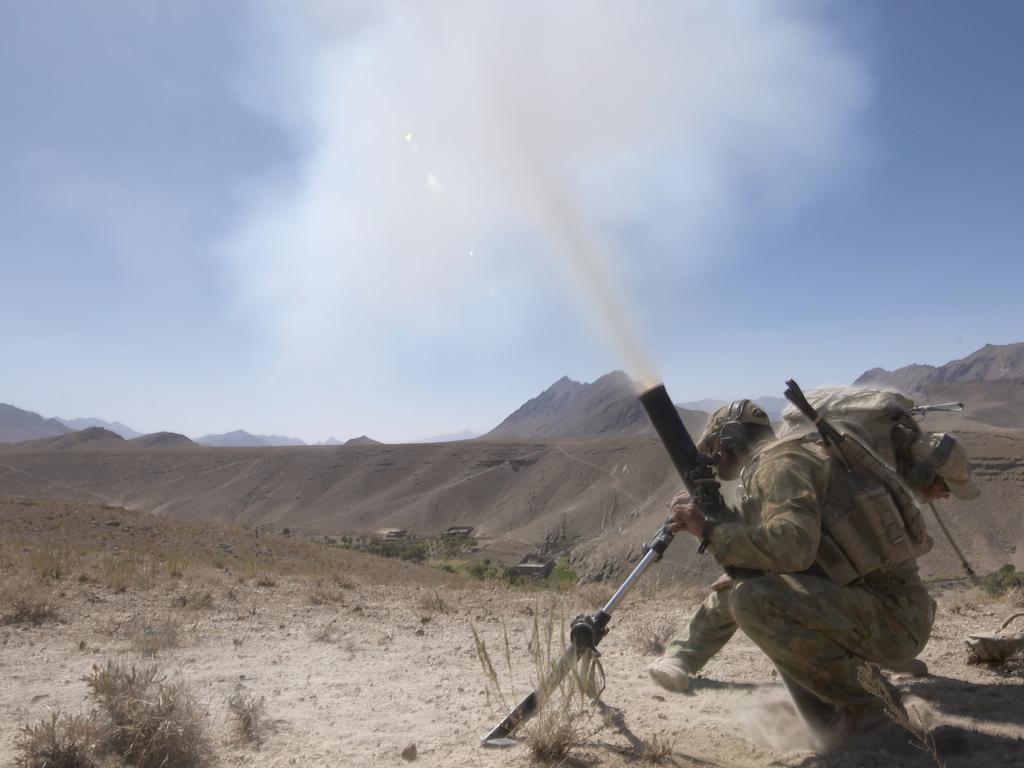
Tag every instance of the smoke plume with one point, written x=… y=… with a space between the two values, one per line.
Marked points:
x=457 y=165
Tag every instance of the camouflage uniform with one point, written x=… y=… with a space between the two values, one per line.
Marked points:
x=815 y=631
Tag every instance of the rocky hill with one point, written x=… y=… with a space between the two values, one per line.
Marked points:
x=242 y=439
x=114 y=426
x=993 y=362
x=163 y=440
x=93 y=437
x=237 y=439
x=989 y=381
x=607 y=406
x=17 y=425
x=362 y=440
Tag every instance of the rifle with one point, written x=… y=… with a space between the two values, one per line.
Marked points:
x=586 y=631
x=920 y=411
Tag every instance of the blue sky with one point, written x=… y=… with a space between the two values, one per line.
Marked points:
x=342 y=218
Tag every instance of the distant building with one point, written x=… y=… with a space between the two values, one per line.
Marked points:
x=537 y=566
x=393 y=534
x=459 y=530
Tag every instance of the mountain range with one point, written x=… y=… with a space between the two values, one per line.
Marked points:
x=990 y=381
x=578 y=459
x=113 y=426
x=242 y=439
x=17 y=425
x=993 y=362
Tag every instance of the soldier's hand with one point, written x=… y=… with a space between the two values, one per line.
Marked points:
x=686 y=516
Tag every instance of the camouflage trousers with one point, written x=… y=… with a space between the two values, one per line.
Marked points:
x=816 y=632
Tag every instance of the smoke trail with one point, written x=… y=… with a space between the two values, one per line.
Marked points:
x=453 y=156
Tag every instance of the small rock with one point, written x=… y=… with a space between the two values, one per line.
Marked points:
x=409 y=753
x=419 y=631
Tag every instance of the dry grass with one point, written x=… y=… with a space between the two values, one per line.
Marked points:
x=99 y=538
x=63 y=741
x=650 y=637
x=565 y=718
x=658 y=750
x=324 y=634
x=322 y=592
x=595 y=594
x=429 y=605
x=176 y=564
x=27 y=602
x=150 y=722
x=121 y=573
x=197 y=598
x=249 y=715
x=911 y=720
x=52 y=562
x=148 y=635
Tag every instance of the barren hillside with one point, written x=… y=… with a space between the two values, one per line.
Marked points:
x=17 y=425
x=607 y=494
x=353 y=660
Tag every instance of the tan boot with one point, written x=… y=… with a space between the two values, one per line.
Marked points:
x=670 y=674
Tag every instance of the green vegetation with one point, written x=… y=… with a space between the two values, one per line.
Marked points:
x=446 y=553
x=563 y=576
x=1000 y=582
x=404 y=549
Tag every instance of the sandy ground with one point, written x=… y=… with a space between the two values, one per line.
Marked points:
x=355 y=681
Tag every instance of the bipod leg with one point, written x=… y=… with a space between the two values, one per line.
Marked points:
x=585 y=632
x=501 y=734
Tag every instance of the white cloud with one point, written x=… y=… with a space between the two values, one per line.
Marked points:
x=455 y=158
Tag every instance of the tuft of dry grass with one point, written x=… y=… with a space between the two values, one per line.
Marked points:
x=51 y=562
x=63 y=741
x=195 y=599
x=27 y=602
x=324 y=593
x=565 y=717
x=151 y=722
x=121 y=573
x=912 y=721
x=324 y=634
x=429 y=605
x=595 y=594
x=148 y=635
x=651 y=636
x=658 y=750
x=176 y=564
x=249 y=715
x=342 y=581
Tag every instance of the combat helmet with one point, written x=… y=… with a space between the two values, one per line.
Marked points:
x=731 y=425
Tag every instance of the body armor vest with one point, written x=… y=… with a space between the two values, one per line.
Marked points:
x=869 y=521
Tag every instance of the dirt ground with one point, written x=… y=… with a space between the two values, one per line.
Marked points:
x=358 y=658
